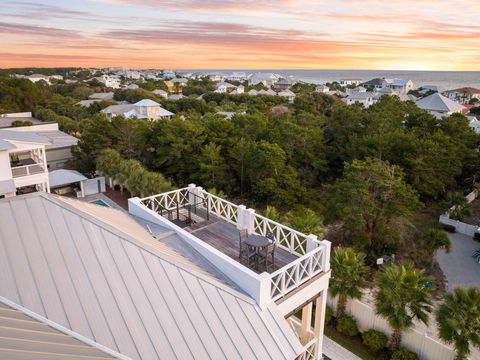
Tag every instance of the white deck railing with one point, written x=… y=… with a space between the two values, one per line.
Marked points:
x=296 y=273
x=313 y=255
x=288 y=239
x=220 y=207
x=26 y=170
x=309 y=351
x=167 y=201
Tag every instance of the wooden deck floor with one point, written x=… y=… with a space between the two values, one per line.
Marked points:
x=224 y=237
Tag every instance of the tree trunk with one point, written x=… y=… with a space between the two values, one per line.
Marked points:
x=459 y=356
x=395 y=340
x=341 y=305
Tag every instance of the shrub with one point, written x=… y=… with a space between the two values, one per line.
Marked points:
x=404 y=354
x=347 y=325
x=374 y=340
x=328 y=315
x=449 y=228
x=476 y=236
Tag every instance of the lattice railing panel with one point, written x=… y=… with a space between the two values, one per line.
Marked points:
x=296 y=273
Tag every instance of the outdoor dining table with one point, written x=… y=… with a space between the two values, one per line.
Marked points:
x=256 y=243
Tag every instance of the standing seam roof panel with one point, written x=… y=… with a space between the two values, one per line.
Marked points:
x=218 y=330
x=124 y=302
x=20 y=267
x=134 y=288
x=184 y=324
x=92 y=310
x=117 y=325
x=194 y=312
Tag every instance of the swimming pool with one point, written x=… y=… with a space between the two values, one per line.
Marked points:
x=100 y=202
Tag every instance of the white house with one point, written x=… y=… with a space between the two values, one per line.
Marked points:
x=267 y=92
x=288 y=94
x=216 y=76
x=144 y=109
x=322 y=89
x=348 y=82
x=58 y=149
x=101 y=96
x=365 y=98
x=237 y=76
x=439 y=105
x=240 y=89
x=23 y=163
x=109 y=81
x=224 y=87
x=37 y=77
x=399 y=86
x=267 y=79
x=161 y=93
x=463 y=95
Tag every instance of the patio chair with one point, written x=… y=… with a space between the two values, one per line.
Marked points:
x=245 y=254
x=266 y=256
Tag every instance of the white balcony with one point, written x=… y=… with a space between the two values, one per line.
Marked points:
x=27 y=170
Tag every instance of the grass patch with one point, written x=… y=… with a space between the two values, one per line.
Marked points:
x=354 y=345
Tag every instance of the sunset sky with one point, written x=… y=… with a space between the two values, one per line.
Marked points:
x=213 y=34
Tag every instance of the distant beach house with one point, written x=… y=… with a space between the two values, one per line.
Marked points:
x=349 y=82
x=365 y=98
x=109 y=81
x=161 y=93
x=374 y=84
x=399 y=86
x=144 y=109
x=224 y=87
x=237 y=76
x=288 y=94
x=267 y=79
x=283 y=84
x=463 y=95
x=322 y=89
x=439 y=105
x=37 y=77
x=101 y=96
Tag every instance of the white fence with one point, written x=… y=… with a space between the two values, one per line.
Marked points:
x=417 y=340
x=460 y=227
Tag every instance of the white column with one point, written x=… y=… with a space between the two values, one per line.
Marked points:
x=311 y=242
x=306 y=322
x=192 y=192
x=249 y=215
x=241 y=217
x=320 y=306
x=326 y=257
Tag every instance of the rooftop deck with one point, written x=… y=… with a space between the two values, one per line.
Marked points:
x=211 y=225
x=224 y=236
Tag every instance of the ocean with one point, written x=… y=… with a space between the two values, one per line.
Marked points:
x=444 y=79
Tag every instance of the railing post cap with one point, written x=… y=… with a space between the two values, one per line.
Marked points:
x=243 y=207
x=192 y=185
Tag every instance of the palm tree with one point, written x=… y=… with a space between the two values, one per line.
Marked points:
x=108 y=162
x=401 y=297
x=304 y=220
x=271 y=212
x=458 y=320
x=432 y=240
x=348 y=277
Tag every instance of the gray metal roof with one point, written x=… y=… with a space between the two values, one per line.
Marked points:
x=58 y=139
x=5 y=145
x=24 y=136
x=22 y=338
x=440 y=103
x=97 y=272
